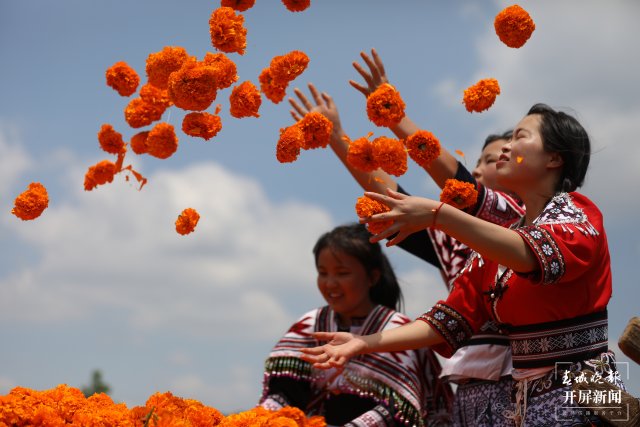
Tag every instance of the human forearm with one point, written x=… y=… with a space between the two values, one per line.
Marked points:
x=492 y=241
x=414 y=335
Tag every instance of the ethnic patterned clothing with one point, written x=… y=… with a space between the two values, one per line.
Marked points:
x=380 y=389
x=538 y=310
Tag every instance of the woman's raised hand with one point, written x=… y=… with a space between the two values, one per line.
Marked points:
x=376 y=75
x=340 y=347
x=323 y=104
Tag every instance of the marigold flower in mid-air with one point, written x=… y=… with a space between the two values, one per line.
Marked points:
x=459 y=194
x=481 y=95
x=187 y=221
x=161 y=64
x=99 y=174
x=296 y=5
x=227 y=30
x=286 y=68
x=193 y=87
x=111 y=140
x=226 y=71
x=239 y=5
x=391 y=155
x=385 y=107
x=316 y=129
x=139 y=113
x=514 y=26
x=201 y=124
x=162 y=141
x=31 y=203
x=360 y=154
x=122 y=78
x=423 y=147
x=245 y=100
x=138 y=142
x=155 y=96
x=272 y=89
x=289 y=144
x=366 y=207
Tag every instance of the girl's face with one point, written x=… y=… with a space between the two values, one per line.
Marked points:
x=524 y=162
x=485 y=171
x=344 y=284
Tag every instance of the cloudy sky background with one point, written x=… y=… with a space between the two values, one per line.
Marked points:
x=102 y=280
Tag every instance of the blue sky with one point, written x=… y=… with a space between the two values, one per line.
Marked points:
x=102 y=280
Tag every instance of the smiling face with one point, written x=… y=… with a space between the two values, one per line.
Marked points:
x=344 y=284
x=485 y=170
x=524 y=165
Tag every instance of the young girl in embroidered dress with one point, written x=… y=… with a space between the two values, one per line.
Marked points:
x=375 y=390
x=546 y=280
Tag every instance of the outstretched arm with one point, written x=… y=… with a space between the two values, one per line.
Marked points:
x=377 y=180
x=442 y=168
x=342 y=346
x=410 y=214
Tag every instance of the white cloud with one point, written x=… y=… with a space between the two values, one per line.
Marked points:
x=121 y=251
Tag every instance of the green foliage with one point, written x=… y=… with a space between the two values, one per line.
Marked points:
x=97 y=385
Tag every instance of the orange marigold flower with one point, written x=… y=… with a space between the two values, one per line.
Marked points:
x=514 y=26
x=193 y=87
x=187 y=221
x=161 y=64
x=99 y=174
x=122 y=78
x=111 y=140
x=226 y=71
x=139 y=113
x=360 y=154
x=139 y=142
x=296 y=5
x=162 y=141
x=423 y=147
x=459 y=194
x=285 y=68
x=201 y=124
x=272 y=89
x=391 y=155
x=239 y=5
x=289 y=144
x=245 y=100
x=481 y=96
x=385 y=107
x=31 y=203
x=155 y=96
x=366 y=206
x=227 y=30
x=316 y=129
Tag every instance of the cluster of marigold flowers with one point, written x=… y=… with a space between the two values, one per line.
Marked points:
x=64 y=405
x=176 y=78
x=513 y=26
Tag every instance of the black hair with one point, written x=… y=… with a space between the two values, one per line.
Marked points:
x=353 y=239
x=496 y=137
x=562 y=133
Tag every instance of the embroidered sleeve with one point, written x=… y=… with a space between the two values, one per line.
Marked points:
x=498 y=207
x=451 y=325
x=566 y=238
x=551 y=263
